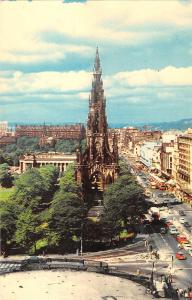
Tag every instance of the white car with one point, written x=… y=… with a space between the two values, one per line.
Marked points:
x=173 y=231
x=187 y=246
x=182 y=220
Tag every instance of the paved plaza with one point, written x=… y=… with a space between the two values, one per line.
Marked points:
x=68 y=285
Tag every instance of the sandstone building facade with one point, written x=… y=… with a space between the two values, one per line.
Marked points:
x=59 y=160
x=74 y=132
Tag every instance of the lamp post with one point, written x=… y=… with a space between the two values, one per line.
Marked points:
x=172 y=262
x=152 y=270
x=84 y=208
x=81 y=240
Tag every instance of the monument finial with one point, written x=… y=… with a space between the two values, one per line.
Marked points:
x=97 y=65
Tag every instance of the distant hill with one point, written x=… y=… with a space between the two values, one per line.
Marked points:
x=180 y=124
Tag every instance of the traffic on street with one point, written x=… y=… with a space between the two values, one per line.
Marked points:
x=168 y=225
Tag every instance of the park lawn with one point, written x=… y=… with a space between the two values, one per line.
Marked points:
x=6 y=193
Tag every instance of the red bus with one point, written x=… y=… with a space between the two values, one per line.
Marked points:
x=157 y=182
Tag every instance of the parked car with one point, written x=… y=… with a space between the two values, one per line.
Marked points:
x=171 y=196
x=164 y=195
x=181 y=238
x=182 y=220
x=173 y=201
x=190 y=252
x=181 y=212
x=180 y=256
x=184 y=242
x=173 y=231
x=159 y=195
x=166 y=201
x=186 y=224
x=187 y=246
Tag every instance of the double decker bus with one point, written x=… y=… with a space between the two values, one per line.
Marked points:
x=157 y=182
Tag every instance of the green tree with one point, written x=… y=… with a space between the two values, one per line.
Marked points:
x=66 y=145
x=66 y=216
x=8 y=217
x=49 y=176
x=67 y=211
x=123 y=203
x=6 y=179
x=28 y=188
x=68 y=182
x=26 y=234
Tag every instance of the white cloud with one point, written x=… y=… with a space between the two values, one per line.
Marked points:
x=116 y=21
x=169 y=76
x=78 y=84
x=43 y=82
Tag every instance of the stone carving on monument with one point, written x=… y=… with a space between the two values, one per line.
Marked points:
x=98 y=165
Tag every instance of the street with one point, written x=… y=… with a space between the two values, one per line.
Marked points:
x=166 y=244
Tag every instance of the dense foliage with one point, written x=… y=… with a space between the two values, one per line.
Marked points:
x=8 y=217
x=47 y=213
x=123 y=204
x=67 y=212
x=6 y=179
x=10 y=153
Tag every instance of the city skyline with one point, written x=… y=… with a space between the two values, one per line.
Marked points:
x=46 y=65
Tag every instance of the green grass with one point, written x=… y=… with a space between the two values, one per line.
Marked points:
x=5 y=193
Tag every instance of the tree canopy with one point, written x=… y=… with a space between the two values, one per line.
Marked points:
x=10 y=153
x=6 y=179
x=67 y=211
x=8 y=216
x=124 y=198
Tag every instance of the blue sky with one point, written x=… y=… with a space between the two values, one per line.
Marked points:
x=47 y=52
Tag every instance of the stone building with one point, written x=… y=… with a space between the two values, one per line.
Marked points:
x=133 y=137
x=184 y=172
x=3 y=128
x=59 y=160
x=150 y=155
x=74 y=132
x=167 y=154
x=98 y=165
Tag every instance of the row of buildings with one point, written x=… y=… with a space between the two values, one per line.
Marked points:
x=168 y=153
x=46 y=133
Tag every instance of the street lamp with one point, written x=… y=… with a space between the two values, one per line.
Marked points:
x=172 y=262
x=152 y=270
x=81 y=240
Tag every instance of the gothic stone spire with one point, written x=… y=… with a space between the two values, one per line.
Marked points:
x=97 y=167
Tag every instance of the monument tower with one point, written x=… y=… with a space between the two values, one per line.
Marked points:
x=98 y=165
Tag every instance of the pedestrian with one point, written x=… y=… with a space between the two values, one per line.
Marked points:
x=190 y=294
x=186 y=294
x=181 y=292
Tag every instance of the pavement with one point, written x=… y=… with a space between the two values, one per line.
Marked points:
x=68 y=285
